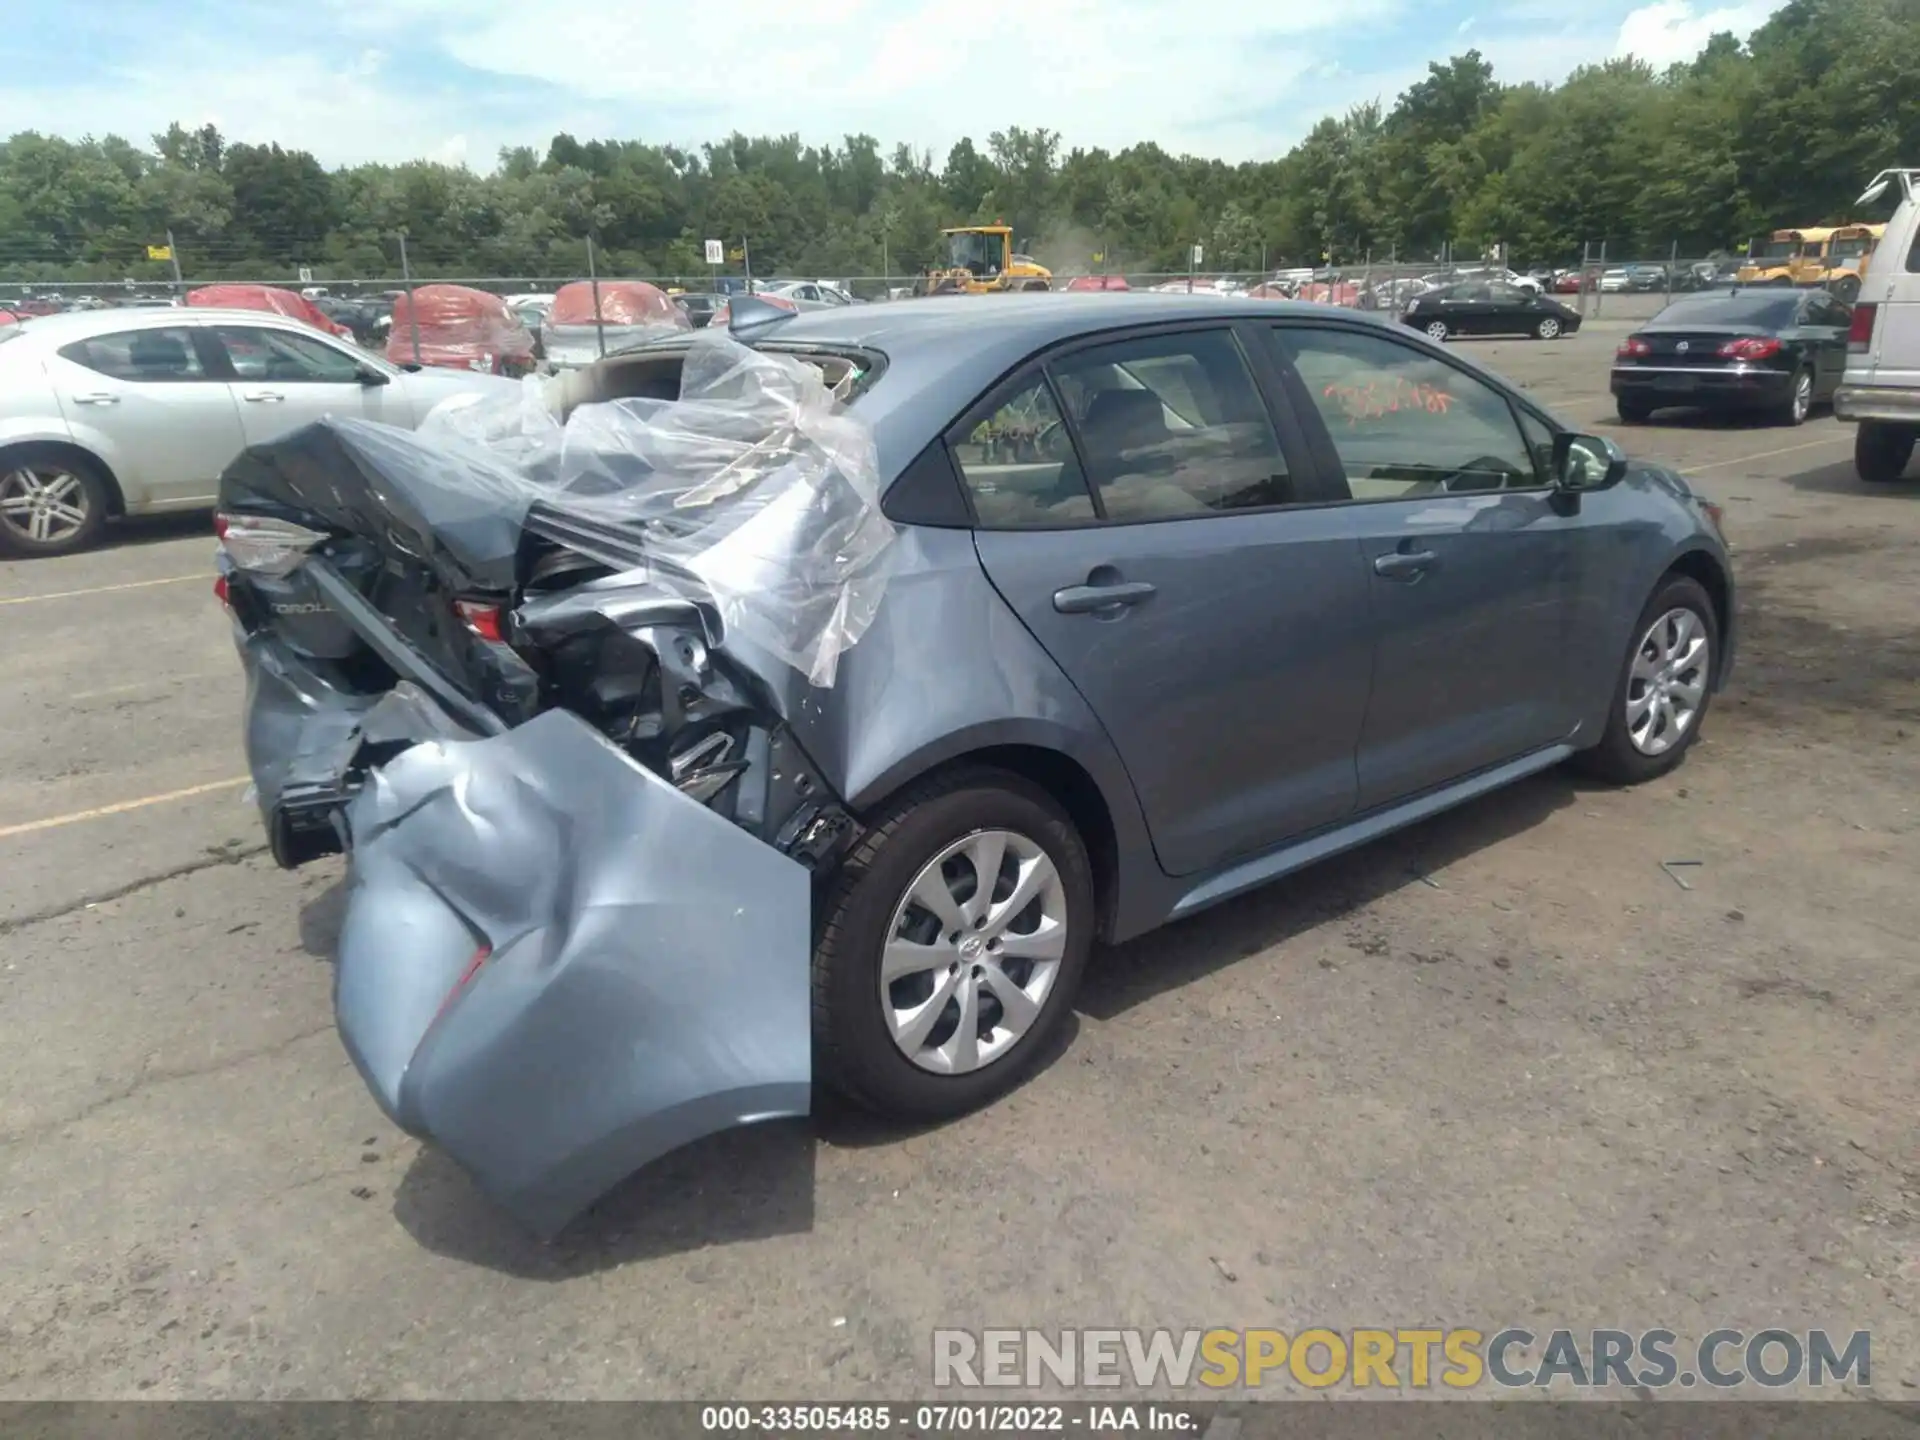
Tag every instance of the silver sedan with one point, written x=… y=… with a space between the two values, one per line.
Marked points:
x=117 y=412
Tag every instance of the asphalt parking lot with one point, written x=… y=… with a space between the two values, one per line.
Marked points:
x=1501 y=1069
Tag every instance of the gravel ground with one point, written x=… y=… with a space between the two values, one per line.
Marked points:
x=1501 y=1069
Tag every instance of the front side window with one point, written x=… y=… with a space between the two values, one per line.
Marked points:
x=1407 y=424
x=1173 y=425
x=150 y=356
x=1018 y=463
x=280 y=356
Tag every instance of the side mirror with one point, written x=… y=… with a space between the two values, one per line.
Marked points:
x=371 y=377
x=1586 y=462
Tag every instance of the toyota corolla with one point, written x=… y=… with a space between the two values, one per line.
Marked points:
x=802 y=702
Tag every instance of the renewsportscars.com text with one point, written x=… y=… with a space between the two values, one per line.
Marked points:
x=1411 y=1358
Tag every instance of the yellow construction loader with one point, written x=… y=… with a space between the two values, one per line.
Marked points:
x=980 y=260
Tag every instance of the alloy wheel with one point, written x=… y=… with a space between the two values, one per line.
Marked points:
x=47 y=505
x=1437 y=330
x=1802 y=396
x=972 y=952
x=1549 y=329
x=1667 y=683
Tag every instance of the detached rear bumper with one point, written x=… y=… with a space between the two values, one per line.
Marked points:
x=1877 y=402
x=553 y=965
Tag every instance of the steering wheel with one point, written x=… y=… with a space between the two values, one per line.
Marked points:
x=1473 y=476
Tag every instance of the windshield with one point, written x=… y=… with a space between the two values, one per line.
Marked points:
x=1774 y=249
x=1712 y=310
x=1849 y=247
x=976 y=253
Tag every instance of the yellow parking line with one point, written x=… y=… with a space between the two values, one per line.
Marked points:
x=103 y=589
x=100 y=811
x=1763 y=455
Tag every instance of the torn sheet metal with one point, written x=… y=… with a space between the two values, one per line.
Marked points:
x=646 y=975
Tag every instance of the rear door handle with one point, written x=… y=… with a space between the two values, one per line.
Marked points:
x=1083 y=599
x=1405 y=564
x=263 y=397
x=97 y=397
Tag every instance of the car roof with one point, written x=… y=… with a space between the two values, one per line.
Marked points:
x=82 y=324
x=944 y=351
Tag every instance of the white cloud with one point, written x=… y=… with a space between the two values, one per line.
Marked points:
x=1244 y=79
x=1669 y=32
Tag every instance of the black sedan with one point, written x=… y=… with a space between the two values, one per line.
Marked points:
x=1761 y=349
x=1484 y=307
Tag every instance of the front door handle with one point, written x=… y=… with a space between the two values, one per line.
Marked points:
x=97 y=397
x=263 y=397
x=1405 y=564
x=1085 y=599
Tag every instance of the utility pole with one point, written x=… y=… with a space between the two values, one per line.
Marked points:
x=593 y=279
x=413 y=310
x=746 y=262
x=173 y=254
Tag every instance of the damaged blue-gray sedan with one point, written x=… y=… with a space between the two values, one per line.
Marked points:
x=799 y=704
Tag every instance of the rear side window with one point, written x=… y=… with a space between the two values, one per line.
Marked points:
x=142 y=356
x=1173 y=425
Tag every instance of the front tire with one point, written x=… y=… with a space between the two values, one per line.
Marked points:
x=51 y=503
x=1881 y=451
x=1437 y=331
x=935 y=986
x=1847 y=289
x=1665 y=686
x=1547 y=329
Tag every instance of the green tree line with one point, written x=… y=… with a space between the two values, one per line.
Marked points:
x=1782 y=129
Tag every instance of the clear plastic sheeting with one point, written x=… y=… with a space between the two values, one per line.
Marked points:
x=458 y=328
x=756 y=492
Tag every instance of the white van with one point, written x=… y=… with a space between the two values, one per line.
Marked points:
x=1881 y=390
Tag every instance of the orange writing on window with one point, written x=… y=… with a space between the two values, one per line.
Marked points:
x=1376 y=400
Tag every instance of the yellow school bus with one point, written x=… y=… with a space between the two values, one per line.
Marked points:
x=1772 y=259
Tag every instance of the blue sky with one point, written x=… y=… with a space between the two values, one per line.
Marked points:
x=455 y=80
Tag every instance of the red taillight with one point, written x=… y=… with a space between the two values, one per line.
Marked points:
x=1752 y=348
x=1860 y=331
x=1633 y=346
x=264 y=545
x=220 y=591
x=466 y=978
x=482 y=619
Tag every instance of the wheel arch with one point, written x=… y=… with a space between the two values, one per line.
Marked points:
x=72 y=453
x=1063 y=779
x=1705 y=568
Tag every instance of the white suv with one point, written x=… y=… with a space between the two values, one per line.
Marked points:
x=1881 y=390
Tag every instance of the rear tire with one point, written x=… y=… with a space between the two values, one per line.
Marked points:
x=868 y=907
x=1618 y=759
x=1632 y=412
x=1881 y=451
x=52 y=502
x=1795 y=409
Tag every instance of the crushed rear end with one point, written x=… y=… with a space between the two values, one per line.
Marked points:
x=526 y=672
